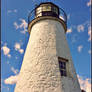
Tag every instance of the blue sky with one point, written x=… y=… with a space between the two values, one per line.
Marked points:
x=14 y=37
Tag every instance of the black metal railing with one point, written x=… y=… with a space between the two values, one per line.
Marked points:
x=63 y=15
x=31 y=16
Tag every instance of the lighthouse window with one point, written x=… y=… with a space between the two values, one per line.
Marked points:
x=62 y=66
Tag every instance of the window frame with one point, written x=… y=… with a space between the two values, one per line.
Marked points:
x=63 y=60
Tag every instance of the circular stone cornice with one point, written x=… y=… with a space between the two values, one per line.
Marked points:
x=44 y=18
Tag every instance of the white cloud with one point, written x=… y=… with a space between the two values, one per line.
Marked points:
x=11 y=80
x=17 y=47
x=85 y=83
x=89 y=3
x=80 y=48
x=15 y=71
x=23 y=26
x=89 y=33
x=24 y=31
x=9 y=55
x=69 y=31
x=6 y=51
x=21 y=51
x=80 y=28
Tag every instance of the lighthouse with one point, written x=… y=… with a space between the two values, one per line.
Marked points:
x=47 y=64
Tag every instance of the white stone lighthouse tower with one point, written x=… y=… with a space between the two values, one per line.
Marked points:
x=47 y=64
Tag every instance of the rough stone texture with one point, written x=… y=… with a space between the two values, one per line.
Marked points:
x=40 y=68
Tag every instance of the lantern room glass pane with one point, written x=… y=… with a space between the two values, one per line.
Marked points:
x=55 y=9
x=40 y=14
x=46 y=8
x=39 y=10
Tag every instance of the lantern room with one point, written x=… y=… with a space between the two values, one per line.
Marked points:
x=47 y=9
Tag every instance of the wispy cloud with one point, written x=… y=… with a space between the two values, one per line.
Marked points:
x=17 y=47
x=12 y=11
x=80 y=28
x=15 y=71
x=22 y=26
x=11 y=80
x=8 y=62
x=6 y=51
x=16 y=25
x=89 y=51
x=74 y=38
x=89 y=3
x=9 y=11
x=80 y=47
x=85 y=83
x=68 y=16
x=69 y=31
x=16 y=57
x=89 y=33
x=15 y=10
